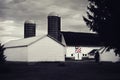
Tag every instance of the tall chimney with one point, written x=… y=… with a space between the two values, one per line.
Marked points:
x=54 y=26
x=29 y=29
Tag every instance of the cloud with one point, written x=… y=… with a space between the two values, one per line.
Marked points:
x=5 y=27
x=5 y=39
x=13 y=13
x=8 y=27
x=22 y=9
x=72 y=4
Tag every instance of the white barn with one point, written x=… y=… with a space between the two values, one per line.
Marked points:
x=78 y=45
x=50 y=47
x=35 y=49
x=83 y=54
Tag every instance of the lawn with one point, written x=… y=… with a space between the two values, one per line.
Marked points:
x=61 y=71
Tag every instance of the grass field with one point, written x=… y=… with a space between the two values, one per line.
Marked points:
x=61 y=71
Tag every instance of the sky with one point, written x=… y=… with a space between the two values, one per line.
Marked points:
x=13 y=14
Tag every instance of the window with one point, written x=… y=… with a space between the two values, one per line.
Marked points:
x=71 y=54
x=83 y=54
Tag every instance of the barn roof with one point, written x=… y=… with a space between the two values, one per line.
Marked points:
x=22 y=42
x=81 y=39
x=71 y=39
x=27 y=41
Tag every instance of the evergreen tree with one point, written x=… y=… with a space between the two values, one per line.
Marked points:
x=2 y=57
x=103 y=18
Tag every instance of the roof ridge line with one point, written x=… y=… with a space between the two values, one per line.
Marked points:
x=36 y=40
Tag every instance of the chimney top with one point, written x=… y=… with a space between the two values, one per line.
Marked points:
x=53 y=14
x=30 y=22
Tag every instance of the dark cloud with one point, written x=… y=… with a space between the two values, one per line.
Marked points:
x=3 y=4
x=2 y=7
x=37 y=9
x=17 y=1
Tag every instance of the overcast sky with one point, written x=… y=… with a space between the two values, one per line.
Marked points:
x=13 y=13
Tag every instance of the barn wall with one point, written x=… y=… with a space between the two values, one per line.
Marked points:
x=63 y=40
x=84 y=50
x=46 y=49
x=16 y=54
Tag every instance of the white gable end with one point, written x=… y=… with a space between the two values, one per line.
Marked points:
x=46 y=49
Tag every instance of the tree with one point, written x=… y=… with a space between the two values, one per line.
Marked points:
x=103 y=18
x=2 y=57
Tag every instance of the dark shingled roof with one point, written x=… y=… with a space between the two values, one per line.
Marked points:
x=81 y=39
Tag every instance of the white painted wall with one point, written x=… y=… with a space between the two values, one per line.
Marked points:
x=16 y=54
x=84 y=50
x=78 y=56
x=46 y=49
x=69 y=51
x=109 y=56
x=63 y=40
